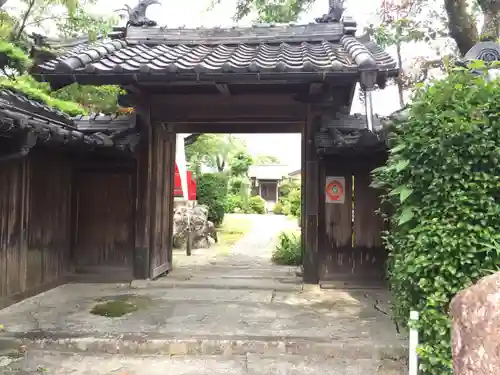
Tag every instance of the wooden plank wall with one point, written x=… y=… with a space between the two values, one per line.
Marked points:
x=49 y=218
x=12 y=260
x=352 y=250
x=34 y=223
x=103 y=219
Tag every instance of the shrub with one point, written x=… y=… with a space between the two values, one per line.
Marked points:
x=256 y=205
x=291 y=203
x=212 y=191
x=287 y=186
x=278 y=208
x=234 y=203
x=443 y=178
x=236 y=184
x=288 y=251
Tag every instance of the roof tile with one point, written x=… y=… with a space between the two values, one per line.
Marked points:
x=341 y=54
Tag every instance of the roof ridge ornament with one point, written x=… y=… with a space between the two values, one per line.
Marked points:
x=334 y=14
x=137 y=15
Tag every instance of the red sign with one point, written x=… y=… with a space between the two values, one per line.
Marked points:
x=335 y=189
x=178 y=185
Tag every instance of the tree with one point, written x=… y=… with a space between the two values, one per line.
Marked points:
x=267 y=159
x=403 y=21
x=240 y=163
x=15 y=45
x=213 y=150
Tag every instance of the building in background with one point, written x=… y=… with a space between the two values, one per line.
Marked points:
x=265 y=180
x=295 y=175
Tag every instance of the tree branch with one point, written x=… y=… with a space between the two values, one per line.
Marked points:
x=461 y=25
x=24 y=20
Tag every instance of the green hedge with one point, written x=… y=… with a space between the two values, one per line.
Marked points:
x=443 y=178
x=211 y=190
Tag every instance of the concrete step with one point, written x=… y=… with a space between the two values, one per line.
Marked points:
x=57 y=363
x=133 y=343
x=284 y=285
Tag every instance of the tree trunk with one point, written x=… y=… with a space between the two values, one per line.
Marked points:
x=462 y=25
x=399 y=81
x=491 y=26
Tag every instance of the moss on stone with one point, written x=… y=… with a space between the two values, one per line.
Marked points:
x=117 y=306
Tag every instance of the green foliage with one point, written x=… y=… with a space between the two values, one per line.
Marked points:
x=288 y=251
x=13 y=57
x=287 y=186
x=212 y=191
x=291 y=203
x=235 y=203
x=71 y=18
x=266 y=159
x=236 y=184
x=278 y=208
x=39 y=92
x=256 y=205
x=95 y=99
x=443 y=181
x=213 y=150
x=240 y=162
x=271 y=11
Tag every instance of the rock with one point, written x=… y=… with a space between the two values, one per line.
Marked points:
x=202 y=231
x=475 y=315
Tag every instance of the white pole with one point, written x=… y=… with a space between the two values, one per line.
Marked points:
x=413 y=344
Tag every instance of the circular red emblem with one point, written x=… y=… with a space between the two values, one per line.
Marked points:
x=334 y=190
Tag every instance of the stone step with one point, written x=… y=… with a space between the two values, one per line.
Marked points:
x=60 y=363
x=218 y=283
x=133 y=343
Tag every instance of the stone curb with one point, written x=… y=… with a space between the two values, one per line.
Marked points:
x=142 y=284
x=213 y=346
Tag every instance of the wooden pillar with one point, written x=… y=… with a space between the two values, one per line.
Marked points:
x=310 y=258
x=143 y=200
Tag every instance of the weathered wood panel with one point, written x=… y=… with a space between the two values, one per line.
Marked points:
x=162 y=200
x=233 y=109
x=310 y=232
x=12 y=272
x=104 y=232
x=49 y=227
x=368 y=225
x=351 y=246
x=155 y=200
x=34 y=223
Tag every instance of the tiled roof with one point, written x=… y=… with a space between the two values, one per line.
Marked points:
x=19 y=114
x=267 y=171
x=250 y=52
x=349 y=132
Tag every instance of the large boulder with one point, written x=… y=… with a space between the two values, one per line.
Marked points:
x=475 y=314
x=203 y=232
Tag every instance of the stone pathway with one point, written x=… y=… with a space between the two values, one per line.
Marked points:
x=236 y=314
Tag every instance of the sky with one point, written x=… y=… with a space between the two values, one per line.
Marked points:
x=195 y=13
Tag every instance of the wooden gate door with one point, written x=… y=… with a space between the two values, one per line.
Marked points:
x=162 y=198
x=351 y=230
x=103 y=221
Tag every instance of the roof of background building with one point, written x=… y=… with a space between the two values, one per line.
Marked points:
x=267 y=171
